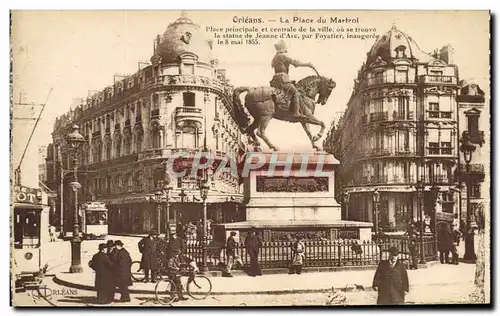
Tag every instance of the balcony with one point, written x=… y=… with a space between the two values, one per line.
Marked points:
x=402 y=116
x=398 y=179
x=379 y=180
x=430 y=79
x=188 y=114
x=476 y=172
x=379 y=116
x=405 y=152
x=380 y=152
x=186 y=80
x=477 y=137
x=377 y=81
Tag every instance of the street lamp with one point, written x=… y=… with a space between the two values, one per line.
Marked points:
x=420 y=196
x=158 y=196
x=345 y=201
x=167 y=188
x=204 y=188
x=163 y=189
x=435 y=196
x=74 y=141
x=376 y=201
x=467 y=148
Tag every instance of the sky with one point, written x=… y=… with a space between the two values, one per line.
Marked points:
x=76 y=52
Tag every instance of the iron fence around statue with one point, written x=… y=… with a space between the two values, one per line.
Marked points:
x=318 y=253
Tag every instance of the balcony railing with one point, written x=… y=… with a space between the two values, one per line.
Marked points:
x=186 y=113
x=370 y=82
x=187 y=80
x=398 y=179
x=405 y=152
x=432 y=79
x=379 y=116
x=402 y=116
x=380 y=152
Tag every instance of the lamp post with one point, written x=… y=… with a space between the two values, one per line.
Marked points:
x=420 y=195
x=74 y=141
x=345 y=200
x=167 y=188
x=467 y=148
x=435 y=196
x=204 y=187
x=158 y=195
x=376 y=201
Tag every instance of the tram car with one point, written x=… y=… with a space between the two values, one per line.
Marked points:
x=30 y=226
x=95 y=224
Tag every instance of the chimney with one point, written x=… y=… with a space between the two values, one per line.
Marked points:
x=446 y=54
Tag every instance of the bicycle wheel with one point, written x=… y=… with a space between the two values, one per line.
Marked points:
x=199 y=288
x=136 y=272
x=165 y=292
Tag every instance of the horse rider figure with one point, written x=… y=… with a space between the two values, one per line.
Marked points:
x=281 y=81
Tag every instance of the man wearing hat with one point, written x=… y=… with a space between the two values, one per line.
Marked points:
x=230 y=255
x=174 y=266
x=149 y=263
x=281 y=81
x=253 y=243
x=103 y=268
x=123 y=278
x=391 y=280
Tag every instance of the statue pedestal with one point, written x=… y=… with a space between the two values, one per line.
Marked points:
x=293 y=193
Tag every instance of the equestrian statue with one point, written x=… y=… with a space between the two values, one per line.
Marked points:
x=284 y=100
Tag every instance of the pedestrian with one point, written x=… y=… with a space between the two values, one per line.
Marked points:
x=149 y=261
x=111 y=253
x=52 y=233
x=455 y=241
x=413 y=254
x=444 y=243
x=391 y=280
x=253 y=243
x=230 y=255
x=176 y=244
x=298 y=249
x=123 y=277
x=174 y=266
x=103 y=268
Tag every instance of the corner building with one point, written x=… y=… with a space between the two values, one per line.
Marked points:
x=132 y=127
x=400 y=126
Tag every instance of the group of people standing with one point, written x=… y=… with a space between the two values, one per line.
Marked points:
x=112 y=271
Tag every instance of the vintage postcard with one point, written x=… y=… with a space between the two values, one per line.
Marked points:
x=250 y=158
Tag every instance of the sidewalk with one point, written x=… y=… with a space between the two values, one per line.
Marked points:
x=313 y=282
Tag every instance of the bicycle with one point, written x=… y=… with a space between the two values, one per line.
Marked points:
x=197 y=287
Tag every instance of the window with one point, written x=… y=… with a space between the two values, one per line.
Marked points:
x=436 y=73
x=138 y=142
x=118 y=147
x=403 y=108
x=403 y=142
x=400 y=51
x=473 y=124
x=156 y=139
x=188 y=99
x=188 y=69
x=216 y=107
x=446 y=148
x=433 y=110
x=401 y=76
x=127 y=146
x=476 y=191
x=108 y=151
x=434 y=148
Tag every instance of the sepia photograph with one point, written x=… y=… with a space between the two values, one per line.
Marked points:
x=249 y=158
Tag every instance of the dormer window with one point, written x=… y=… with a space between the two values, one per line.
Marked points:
x=401 y=51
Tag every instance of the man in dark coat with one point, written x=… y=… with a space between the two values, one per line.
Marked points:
x=444 y=243
x=149 y=262
x=123 y=277
x=230 y=255
x=176 y=244
x=103 y=268
x=111 y=252
x=253 y=243
x=391 y=280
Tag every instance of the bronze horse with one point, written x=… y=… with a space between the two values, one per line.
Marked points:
x=261 y=104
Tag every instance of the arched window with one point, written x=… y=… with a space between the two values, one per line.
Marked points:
x=155 y=138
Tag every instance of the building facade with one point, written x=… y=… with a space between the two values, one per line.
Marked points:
x=474 y=117
x=400 y=127
x=134 y=126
